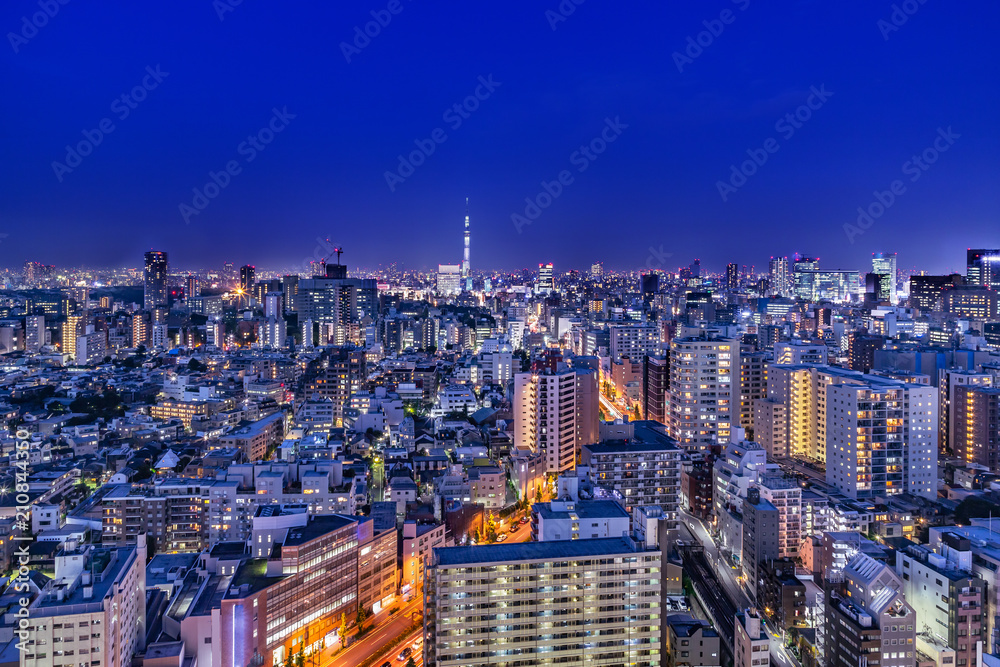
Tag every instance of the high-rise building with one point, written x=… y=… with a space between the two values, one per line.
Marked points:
x=556 y=413
x=950 y=404
x=760 y=537
x=545 y=280
x=786 y=496
x=633 y=341
x=861 y=347
x=983 y=267
x=704 y=390
x=656 y=388
x=638 y=446
x=799 y=352
x=34 y=333
x=975 y=428
x=155 y=280
x=247 y=273
x=597 y=269
x=753 y=385
x=926 y=291
x=732 y=277
x=601 y=573
x=466 y=266
x=779 y=278
x=885 y=264
x=193 y=287
x=881 y=438
x=449 y=279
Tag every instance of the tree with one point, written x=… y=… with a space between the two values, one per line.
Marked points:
x=363 y=615
x=975 y=507
x=342 y=628
x=538 y=493
x=410 y=663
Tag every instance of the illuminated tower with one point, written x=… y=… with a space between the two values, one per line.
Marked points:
x=155 y=280
x=465 y=256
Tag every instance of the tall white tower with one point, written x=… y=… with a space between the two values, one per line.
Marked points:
x=465 y=257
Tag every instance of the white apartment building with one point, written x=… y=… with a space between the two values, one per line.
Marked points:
x=798 y=352
x=570 y=519
x=704 y=390
x=882 y=439
x=751 y=645
x=93 y=611
x=529 y=602
x=634 y=341
x=786 y=495
x=556 y=413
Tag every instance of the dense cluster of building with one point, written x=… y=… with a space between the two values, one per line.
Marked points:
x=240 y=467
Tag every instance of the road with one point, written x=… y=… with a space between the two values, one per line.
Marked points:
x=388 y=628
x=725 y=573
x=392 y=655
x=610 y=408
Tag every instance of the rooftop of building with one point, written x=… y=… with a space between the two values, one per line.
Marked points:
x=686 y=626
x=534 y=551
x=582 y=509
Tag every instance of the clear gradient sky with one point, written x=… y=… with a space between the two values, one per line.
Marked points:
x=656 y=185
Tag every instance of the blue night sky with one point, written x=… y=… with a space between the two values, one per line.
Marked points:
x=655 y=186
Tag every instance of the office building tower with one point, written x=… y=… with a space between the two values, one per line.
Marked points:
x=704 y=390
x=155 y=280
x=273 y=302
x=866 y=615
x=983 y=268
x=926 y=291
x=633 y=341
x=308 y=333
x=751 y=643
x=229 y=274
x=885 y=264
x=466 y=266
x=732 y=277
x=656 y=388
x=882 y=438
x=861 y=347
x=34 y=333
x=760 y=537
x=290 y=289
x=449 y=279
x=533 y=618
x=949 y=380
x=193 y=287
x=753 y=385
x=976 y=425
x=94 y=608
x=247 y=273
x=545 y=279
x=597 y=269
x=556 y=413
x=215 y=333
x=649 y=284
x=778 y=273
x=695 y=268
x=971 y=302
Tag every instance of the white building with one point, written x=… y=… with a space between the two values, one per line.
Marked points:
x=100 y=590
x=882 y=439
x=751 y=645
x=704 y=390
x=634 y=341
x=556 y=413
x=569 y=519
